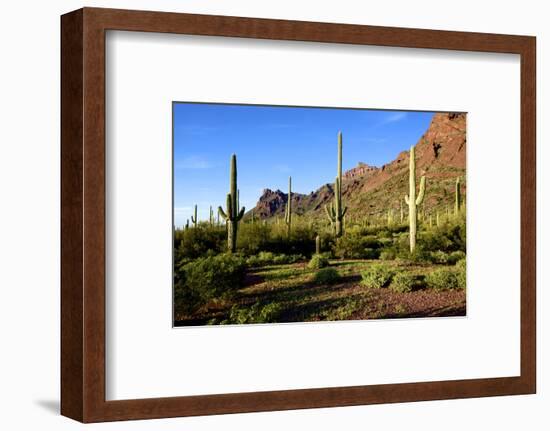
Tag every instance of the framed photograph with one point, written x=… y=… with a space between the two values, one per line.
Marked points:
x=267 y=215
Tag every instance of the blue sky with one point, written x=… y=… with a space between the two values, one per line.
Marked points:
x=272 y=143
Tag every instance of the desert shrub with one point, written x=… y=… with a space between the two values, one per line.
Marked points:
x=327 y=255
x=371 y=241
x=269 y=258
x=434 y=240
x=377 y=276
x=318 y=261
x=439 y=256
x=371 y=253
x=461 y=273
x=252 y=237
x=386 y=241
x=198 y=241
x=403 y=282
x=355 y=246
x=262 y=258
x=388 y=254
x=257 y=313
x=288 y=258
x=456 y=256
x=442 y=279
x=442 y=257
x=418 y=255
x=207 y=278
x=326 y=276
x=449 y=237
x=292 y=245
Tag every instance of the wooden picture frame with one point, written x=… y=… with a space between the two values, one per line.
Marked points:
x=83 y=214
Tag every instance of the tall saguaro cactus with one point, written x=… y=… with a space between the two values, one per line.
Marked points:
x=412 y=200
x=194 y=219
x=336 y=212
x=458 y=198
x=232 y=215
x=288 y=209
x=211 y=216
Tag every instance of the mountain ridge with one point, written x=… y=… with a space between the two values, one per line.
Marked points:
x=369 y=190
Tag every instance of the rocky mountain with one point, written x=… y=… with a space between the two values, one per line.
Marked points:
x=371 y=191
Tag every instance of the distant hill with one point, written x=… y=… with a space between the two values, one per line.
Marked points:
x=371 y=191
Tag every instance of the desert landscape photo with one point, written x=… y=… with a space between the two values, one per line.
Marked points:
x=298 y=214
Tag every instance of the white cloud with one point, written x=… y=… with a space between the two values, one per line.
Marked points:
x=181 y=210
x=394 y=117
x=193 y=162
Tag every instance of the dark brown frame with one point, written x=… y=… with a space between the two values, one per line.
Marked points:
x=83 y=214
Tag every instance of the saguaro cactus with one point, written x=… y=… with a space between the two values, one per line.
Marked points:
x=412 y=200
x=288 y=209
x=232 y=215
x=211 y=216
x=458 y=198
x=336 y=212
x=390 y=217
x=194 y=219
x=401 y=215
x=317 y=244
x=187 y=224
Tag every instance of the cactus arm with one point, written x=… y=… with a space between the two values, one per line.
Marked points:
x=221 y=213
x=421 y=192
x=329 y=210
x=240 y=215
x=344 y=211
x=407 y=199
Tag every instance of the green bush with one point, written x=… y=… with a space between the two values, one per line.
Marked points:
x=377 y=276
x=318 y=261
x=288 y=258
x=442 y=257
x=443 y=279
x=418 y=255
x=269 y=258
x=257 y=313
x=252 y=238
x=353 y=245
x=403 y=282
x=198 y=241
x=326 y=276
x=461 y=273
x=449 y=237
x=262 y=258
x=456 y=256
x=388 y=254
x=207 y=278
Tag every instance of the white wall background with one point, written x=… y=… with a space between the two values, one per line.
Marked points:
x=29 y=218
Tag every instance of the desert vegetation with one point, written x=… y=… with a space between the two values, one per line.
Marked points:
x=407 y=259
